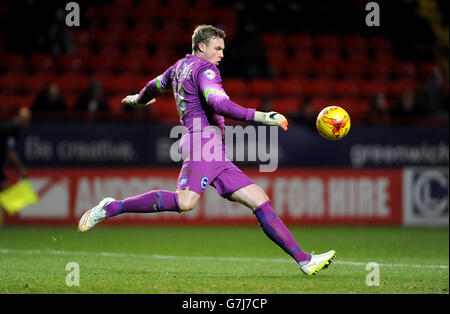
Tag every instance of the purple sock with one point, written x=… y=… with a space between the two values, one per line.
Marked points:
x=277 y=231
x=153 y=201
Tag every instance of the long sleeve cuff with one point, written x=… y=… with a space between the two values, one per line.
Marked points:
x=250 y=115
x=146 y=94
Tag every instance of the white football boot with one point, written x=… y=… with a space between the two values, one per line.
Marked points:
x=318 y=262
x=94 y=215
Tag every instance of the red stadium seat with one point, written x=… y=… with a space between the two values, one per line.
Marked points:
x=155 y=65
x=324 y=69
x=138 y=13
x=206 y=4
x=41 y=62
x=72 y=83
x=172 y=26
x=236 y=87
x=196 y=14
x=9 y=82
x=146 y=5
x=143 y=26
x=161 y=37
x=184 y=38
x=377 y=70
x=346 y=103
x=137 y=52
x=83 y=51
x=128 y=64
x=350 y=70
x=165 y=110
x=359 y=109
x=345 y=88
x=327 y=42
x=300 y=42
x=331 y=56
x=223 y=15
x=5 y=103
x=81 y=37
x=117 y=85
x=317 y=87
x=300 y=68
x=100 y=63
x=169 y=12
x=262 y=87
x=380 y=44
x=293 y=87
x=139 y=82
x=318 y=103
x=20 y=101
x=372 y=87
x=384 y=57
x=357 y=57
x=353 y=43
x=105 y=37
x=111 y=13
x=131 y=38
x=132 y=84
x=12 y=62
x=71 y=99
x=355 y=107
x=115 y=105
x=95 y=27
x=276 y=57
x=34 y=83
x=180 y=4
x=294 y=68
x=276 y=53
x=404 y=69
x=398 y=88
x=90 y=12
x=300 y=65
x=426 y=67
x=304 y=55
x=71 y=63
x=124 y=4
x=109 y=50
x=273 y=40
x=286 y=105
x=164 y=55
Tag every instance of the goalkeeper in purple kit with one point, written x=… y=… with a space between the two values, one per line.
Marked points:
x=202 y=103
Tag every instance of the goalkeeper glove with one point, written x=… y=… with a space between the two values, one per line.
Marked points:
x=132 y=101
x=271 y=118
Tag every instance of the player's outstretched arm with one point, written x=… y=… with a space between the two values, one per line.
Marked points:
x=132 y=100
x=151 y=91
x=211 y=86
x=271 y=118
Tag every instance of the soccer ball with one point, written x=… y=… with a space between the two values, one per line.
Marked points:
x=333 y=123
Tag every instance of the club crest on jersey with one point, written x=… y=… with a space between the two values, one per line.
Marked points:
x=209 y=74
x=204 y=182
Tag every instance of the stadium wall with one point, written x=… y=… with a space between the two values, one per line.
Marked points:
x=322 y=196
x=53 y=144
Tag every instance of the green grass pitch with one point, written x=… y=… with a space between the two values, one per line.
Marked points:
x=220 y=260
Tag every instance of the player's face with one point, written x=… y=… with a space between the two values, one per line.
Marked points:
x=213 y=51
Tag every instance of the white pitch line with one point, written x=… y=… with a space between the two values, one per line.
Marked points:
x=198 y=258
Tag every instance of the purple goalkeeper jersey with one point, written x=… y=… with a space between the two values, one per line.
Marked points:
x=198 y=93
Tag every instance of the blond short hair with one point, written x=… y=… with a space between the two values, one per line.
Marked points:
x=204 y=33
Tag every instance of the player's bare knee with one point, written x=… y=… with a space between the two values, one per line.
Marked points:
x=187 y=205
x=261 y=200
x=187 y=200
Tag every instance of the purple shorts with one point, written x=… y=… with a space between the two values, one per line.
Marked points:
x=222 y=174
